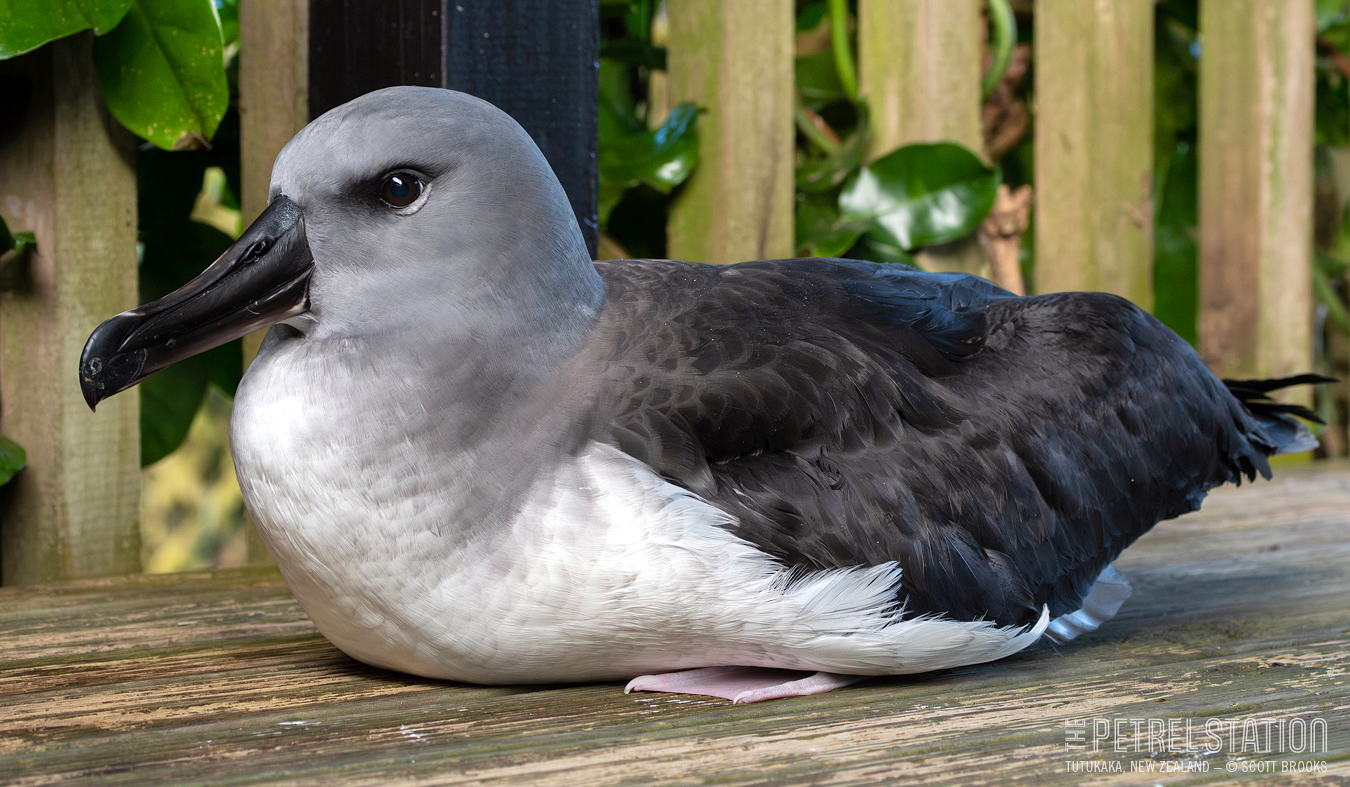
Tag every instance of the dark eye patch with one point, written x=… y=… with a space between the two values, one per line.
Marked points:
x=401 y=189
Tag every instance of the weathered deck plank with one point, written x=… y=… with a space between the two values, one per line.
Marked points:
x=1239 y=611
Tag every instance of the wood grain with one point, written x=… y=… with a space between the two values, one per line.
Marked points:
x=734 y=58
x=1094 y=147
x=1238 y=612
x=67 y=174
x=919 y=69
x=1256 y=174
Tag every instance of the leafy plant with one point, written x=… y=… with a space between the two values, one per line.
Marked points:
x=1176 y=255
x=28 y=28
x=921 y=195
x=915 y=196
x=163 y=71
x=160 y=62
x=640 y=166
x=188 y=217
x=12 y=459
x=19 y=242
x=661 y=159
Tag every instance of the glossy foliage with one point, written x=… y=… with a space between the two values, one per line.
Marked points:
x=160 y=62
x=175 y=249
x=177 y=244
x=642 y=161
x=921 y=195
x=12 y=459
x=26 y=26
x=661 y=159
x=162 y=71
x=18 y=242
x=914 y=196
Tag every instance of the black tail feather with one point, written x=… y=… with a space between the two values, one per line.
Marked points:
x=1276 y=383
x=1289 y=435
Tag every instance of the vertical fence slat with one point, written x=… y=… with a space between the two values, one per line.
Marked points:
x=919 y=68
x=1094 y=147
x=734 y=58
x=1256 y=172
x=67 y=173
x=273 y=106
x=273 y=90
x=273 y=100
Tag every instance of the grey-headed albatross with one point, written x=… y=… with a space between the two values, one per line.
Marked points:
x=477 y=455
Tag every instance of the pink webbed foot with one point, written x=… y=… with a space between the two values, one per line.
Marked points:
x=742 y=684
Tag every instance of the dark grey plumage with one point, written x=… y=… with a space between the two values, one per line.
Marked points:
x=1003 y=450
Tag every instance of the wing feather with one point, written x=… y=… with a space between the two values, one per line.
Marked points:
x=1003 y=450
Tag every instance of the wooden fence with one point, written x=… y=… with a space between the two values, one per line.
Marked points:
x=73 y=512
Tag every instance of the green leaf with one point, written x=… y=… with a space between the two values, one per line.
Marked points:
x=163 y=72
x=822 y=232
x=618 y=114
x=841 y=46
x=661 y=159
x=212 y=206
x=1331 y=12
x=1002 y=40
x=823 y=173
x=228 y=11
x=12 y=459
x=28 y=24
x=1332 y=267
x=811 y=15
x=176 y=249
x=1175 y=91
x=19 y=242
x=637 y=20
x=169 y=402
x=817 y=78
x=920 y=195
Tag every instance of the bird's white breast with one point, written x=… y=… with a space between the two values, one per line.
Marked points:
x=600 y=570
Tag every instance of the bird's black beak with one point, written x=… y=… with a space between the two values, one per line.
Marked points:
x=261 y=280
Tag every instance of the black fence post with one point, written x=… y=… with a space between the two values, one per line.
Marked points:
x=538 y=60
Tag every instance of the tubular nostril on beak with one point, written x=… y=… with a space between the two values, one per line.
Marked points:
x=256 y=251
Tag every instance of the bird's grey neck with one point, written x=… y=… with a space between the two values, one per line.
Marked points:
x=476 y=415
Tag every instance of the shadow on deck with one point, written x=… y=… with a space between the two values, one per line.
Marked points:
x=1241 y=611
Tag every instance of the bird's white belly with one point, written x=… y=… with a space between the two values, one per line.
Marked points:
x=604 y=570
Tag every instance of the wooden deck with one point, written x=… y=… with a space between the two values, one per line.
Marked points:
x=1240 y=611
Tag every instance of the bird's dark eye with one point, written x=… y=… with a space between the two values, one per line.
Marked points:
x=401 y=189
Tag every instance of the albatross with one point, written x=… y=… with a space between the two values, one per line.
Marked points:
x=478 y=455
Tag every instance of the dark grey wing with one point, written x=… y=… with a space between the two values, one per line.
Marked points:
x=1003 y=450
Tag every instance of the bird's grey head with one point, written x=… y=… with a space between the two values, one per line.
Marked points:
x=408 y=209
x=420 y=199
